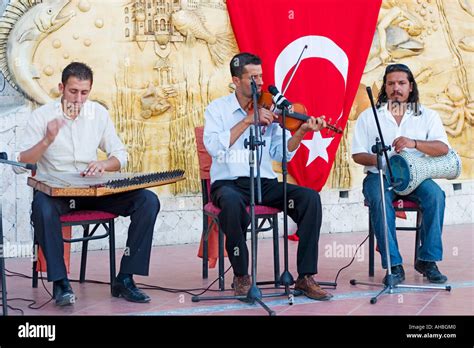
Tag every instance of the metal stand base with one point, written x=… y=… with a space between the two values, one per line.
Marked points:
x=254 y=295
x=389 y=288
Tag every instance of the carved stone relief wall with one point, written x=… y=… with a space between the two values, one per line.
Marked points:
x=158 y=63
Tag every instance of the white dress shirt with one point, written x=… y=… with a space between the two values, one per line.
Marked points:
x=231 y=162
x=427 y=126
x=77 y=141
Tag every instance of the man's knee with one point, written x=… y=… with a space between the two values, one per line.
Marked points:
x=431 y=194
x=438 y=196
x=150 y=201
x=230 y=199
x=42 y=205
x=307 y=196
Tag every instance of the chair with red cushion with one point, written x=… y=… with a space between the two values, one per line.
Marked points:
x=263 y=214
x=85 y=218
x=401 y=205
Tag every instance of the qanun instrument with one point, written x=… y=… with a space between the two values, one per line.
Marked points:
x=74 y=184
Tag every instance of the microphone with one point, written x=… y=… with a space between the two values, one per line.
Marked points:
x=31 y=167
x=253 y=85
x=278 y=98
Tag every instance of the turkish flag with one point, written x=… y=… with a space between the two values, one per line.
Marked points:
x=338 y=35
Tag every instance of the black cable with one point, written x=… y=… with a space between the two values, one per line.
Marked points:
x=15 y=299
x=352 y=260
x=148 y=286
x=187 y=291
x=142 y=286
x=33 y=302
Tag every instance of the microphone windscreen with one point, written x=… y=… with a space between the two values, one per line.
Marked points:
x=273 y=90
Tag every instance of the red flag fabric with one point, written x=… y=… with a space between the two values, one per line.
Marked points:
x=338 y=35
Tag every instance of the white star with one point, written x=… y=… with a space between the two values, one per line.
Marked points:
x=318 y=147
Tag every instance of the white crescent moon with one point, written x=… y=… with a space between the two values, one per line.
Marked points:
x=318 y=47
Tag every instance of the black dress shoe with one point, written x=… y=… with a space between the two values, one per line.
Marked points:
x=62 y=293
x=128 y=290
x=398 y=275
x=430 y=271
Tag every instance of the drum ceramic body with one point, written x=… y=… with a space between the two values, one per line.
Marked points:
x=411 y=170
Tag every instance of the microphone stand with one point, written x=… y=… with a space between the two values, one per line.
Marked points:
x=4 y=160
x=286 y=278
x=380 y=149
x=253 y=143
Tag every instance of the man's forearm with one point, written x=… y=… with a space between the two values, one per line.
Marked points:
x=295 y=140
x=365 y=159
x=432 y=148
x=238 y=130
x=33 y=154
x=112 y=164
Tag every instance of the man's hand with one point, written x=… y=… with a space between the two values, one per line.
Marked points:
x=52 y=130
x=402 y=142
x=95 y=168
x=313 y=124
x=266 y=117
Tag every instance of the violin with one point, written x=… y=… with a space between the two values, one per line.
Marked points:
x=294 y=119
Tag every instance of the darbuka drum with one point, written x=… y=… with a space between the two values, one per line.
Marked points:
x=411 y=170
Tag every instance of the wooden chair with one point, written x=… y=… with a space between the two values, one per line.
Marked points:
x=84 y=218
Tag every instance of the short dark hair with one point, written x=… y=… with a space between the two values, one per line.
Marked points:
x=239 y=61
x=414 y=97
x=79 y=70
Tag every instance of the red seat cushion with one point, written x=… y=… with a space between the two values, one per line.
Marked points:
x=87 y=215
x=401 y=203
x=405 y=203
x=259 y=209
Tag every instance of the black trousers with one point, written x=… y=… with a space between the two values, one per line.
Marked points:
x=141 y=205
x=304 y=207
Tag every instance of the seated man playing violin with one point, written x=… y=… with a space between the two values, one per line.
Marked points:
x=227 y=122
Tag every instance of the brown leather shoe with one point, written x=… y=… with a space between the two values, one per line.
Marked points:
x=241 y=285
x=311 y=289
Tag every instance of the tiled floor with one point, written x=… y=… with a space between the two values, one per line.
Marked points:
x=178 y=267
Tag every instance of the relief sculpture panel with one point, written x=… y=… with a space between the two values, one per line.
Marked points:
x=158 y=63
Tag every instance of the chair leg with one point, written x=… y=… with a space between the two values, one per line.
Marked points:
x=221 y=259
x=276 y=250
x=35 y=265
x=371 y=249
x=419 y=217
x=82 y=275
x=205 y=246
x=112 y=252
